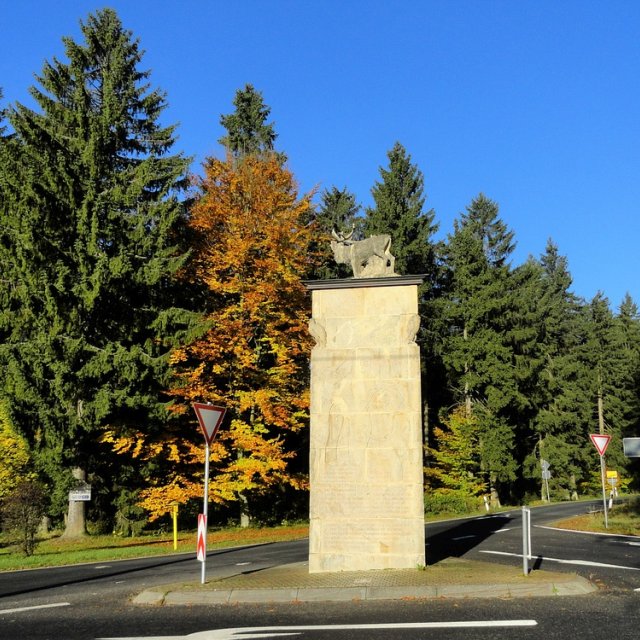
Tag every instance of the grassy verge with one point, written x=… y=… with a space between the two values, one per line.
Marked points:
x=57 y=551
x=622 y=519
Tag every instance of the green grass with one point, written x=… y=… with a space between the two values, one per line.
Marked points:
x=623 y=519
x=56 y=551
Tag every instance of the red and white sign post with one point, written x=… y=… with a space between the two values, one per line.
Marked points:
x=209 y=418
x=201 y=547
x=601 y=442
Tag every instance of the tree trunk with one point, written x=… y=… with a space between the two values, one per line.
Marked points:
x=495 y=499
x=573 y=486
x=76 y=523
x=467 y=394
x=245 y=518
x=600 y=408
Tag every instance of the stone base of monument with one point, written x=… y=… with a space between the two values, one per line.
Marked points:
x=366 y=463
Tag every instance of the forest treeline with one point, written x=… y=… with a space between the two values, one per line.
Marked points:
x=131 y=287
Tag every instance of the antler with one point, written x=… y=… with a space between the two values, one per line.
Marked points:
x=341 y=237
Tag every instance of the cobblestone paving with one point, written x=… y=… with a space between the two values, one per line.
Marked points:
x=450 y=571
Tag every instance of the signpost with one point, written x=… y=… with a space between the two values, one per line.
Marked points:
x=174 y=516
x=601 y=442
x=201 y=547
x=631 y=447
x=209 y=418
x=526 y=539
x=546 y=475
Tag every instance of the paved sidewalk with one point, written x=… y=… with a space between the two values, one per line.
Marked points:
x=450 y=578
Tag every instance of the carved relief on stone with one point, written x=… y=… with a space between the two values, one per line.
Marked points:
x=411 y=327
x=318 y=332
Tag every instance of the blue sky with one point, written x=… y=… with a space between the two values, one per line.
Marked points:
x=535 y=103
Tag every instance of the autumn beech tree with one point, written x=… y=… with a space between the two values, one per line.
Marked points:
x=250 y=252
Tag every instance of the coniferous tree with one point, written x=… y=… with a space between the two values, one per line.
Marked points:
x=476 y=348
x=606 y=374
x=93 y=220
x=399 y=211
x=627 y=328
x=560 y=416
x=338 y=211
x=247 y=129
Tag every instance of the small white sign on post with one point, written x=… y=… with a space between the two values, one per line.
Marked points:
x=82 y=494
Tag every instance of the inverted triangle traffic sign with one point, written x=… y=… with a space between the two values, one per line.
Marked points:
x=210 y=418
x=600 y=442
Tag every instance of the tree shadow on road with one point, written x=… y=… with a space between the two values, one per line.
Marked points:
x=461 y=536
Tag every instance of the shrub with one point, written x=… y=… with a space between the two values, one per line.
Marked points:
x=446 y=501
x=22 y=512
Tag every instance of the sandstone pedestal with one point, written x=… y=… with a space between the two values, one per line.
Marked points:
x=366 y=502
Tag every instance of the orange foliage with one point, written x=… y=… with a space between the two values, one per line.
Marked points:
x=251 y=252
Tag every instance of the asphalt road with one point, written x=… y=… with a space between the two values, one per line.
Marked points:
x=92 y=601
x=606 y=559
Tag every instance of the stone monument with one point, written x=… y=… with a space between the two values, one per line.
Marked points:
x=366 y=467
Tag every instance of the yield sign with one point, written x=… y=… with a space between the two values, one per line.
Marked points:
x=210 y=418
x=201 y=548
x=600 y=442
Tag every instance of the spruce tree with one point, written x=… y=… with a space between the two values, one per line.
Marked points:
x=93 y=216
x=627 y=329
x=399 y=211
x=607 y=374
x=338 y=210
x=247 y=129
x=477 y=348
x=561 y=410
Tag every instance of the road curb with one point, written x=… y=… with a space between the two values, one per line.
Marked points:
x=574 y=587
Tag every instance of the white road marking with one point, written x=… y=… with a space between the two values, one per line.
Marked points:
x=589 y=533
x=477 y=534
x=33 y=608
x=242 y=564
x=584 y=563
x=277 y=632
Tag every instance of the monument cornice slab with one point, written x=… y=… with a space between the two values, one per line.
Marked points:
x=359 y=283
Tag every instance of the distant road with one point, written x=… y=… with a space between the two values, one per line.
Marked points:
x=606 y=558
